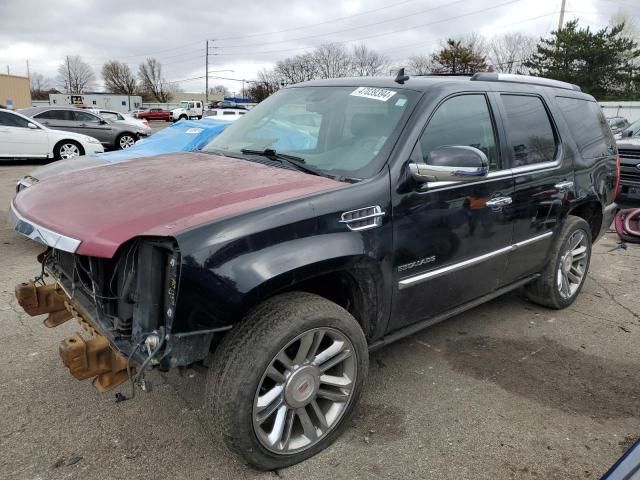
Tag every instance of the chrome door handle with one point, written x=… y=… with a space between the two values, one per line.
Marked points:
x=499 y=202
x=564 y=186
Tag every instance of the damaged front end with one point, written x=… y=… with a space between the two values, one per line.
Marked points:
x=126 y=306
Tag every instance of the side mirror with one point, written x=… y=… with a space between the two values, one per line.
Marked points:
x=103 y=121
x=628 y=133
x=451 y=164
x=32 y=126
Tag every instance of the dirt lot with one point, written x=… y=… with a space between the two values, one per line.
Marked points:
x=508 y=390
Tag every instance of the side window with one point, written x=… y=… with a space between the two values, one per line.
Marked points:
x=55 y=115
x=530 y=135
x=228 y=113
x=464 y=120
x=588 y=126
x=191 y=105
x=84 y=117
x=10 y=120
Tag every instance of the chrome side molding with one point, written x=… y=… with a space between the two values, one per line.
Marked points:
x=423 y=277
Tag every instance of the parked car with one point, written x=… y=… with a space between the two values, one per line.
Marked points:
x=617 y=124
x=227 y=104
x=141 y=127
x=23 y=137
x=632 y=130
x=154 y=114
x=282 y=267
x=230 y=114
x=629 y=150
x=184 y=136
x=188 y=110
x=111 y=134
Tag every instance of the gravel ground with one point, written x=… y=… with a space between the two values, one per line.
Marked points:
x=508 y=390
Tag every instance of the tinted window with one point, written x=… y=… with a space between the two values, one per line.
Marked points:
x=55 y=115
x=10 y=120
x=84 y=117
x=464 y=120
x=588 y=126
x=228 y=113
x=529 y=131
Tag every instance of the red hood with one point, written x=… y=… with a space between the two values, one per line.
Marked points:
x=104 y=207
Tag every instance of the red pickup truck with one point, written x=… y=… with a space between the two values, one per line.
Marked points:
x=154 y=114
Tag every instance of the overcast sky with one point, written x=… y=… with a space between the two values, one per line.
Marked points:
x=252 y=34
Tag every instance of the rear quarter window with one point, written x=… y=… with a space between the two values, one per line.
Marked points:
x=588 y=126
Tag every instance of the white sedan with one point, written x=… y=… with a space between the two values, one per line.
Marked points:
x=23 y=137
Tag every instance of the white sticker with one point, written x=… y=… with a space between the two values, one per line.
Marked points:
x=193 y=130
x=401 y=102
x=373 y=93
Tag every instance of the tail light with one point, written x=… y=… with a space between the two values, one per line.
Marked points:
x=617 y=189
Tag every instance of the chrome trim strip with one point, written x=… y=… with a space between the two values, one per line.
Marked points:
x=41 y=234
x=423 y=277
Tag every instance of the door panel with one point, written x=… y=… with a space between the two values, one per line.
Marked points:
x=18 y=140
x=89 y=124
x=544 y=180
x=451 y=245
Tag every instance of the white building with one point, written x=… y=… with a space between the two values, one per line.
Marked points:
x=121 y=103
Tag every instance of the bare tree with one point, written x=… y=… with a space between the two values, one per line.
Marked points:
x=630 y=30
x=75 y=75
x=332 y=61
x=508 y=52
x=368 y=63
x=419 y=65
x=220 y=91
x=39 y=86
x=118 y=78
x=151 y=81
x=297 y=69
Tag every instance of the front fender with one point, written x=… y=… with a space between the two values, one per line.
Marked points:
x=216 y=294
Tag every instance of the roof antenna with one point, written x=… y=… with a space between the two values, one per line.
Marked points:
x=401 y=77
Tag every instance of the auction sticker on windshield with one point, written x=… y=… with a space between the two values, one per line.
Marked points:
x=374 y=93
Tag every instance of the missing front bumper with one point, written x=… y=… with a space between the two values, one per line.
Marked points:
x=84 y=358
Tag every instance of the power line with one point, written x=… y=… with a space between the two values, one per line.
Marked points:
x=346 y=29
x=509 y=2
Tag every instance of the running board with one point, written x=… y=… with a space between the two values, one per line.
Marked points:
x=416 y=327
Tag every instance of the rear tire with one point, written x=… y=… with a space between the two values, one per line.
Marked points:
x=67 y=149
x=565 y=273
x=285 y=380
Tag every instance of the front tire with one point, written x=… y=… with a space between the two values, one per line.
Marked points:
x=67 y=149
x=563 y=277
x=125 y=140
x=286 y=380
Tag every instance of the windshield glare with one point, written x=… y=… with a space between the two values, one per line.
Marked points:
x=342 y=131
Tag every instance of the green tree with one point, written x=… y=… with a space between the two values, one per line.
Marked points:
x=601 y=62
x=458 y=57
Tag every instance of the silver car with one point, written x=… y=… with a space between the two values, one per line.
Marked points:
x=111 y=134
x=141 y=127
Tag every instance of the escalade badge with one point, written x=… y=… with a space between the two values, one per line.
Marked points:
x=417 y=263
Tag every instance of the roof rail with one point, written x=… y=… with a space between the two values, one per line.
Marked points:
x=531 y=80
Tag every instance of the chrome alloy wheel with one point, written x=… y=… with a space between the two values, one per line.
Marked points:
x=69 y=150
x=304 y=391
x=573 y=264
x=127 y=141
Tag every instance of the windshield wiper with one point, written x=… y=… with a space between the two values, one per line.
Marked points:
x=292 y=160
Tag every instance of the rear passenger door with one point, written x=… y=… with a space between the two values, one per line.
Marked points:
x=543 y=176
x=57 y=119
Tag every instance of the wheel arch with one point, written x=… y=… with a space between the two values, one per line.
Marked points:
x=591 y=212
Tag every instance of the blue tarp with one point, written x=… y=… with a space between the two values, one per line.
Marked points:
x=182 y=136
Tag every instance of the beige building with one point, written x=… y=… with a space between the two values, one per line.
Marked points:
x=14 y=91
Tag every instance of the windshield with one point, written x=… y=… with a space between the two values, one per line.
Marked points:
x=341 y=131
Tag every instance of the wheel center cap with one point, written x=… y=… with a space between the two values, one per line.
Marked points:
x=301 y=386
x=567 y=263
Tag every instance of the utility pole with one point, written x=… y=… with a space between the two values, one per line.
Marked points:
x=28 y=72
x=562 y=7
x=8 y=71
x=243 y=88
x=69 y=77
x=206 y=81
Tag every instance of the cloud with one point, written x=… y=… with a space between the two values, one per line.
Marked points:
x=250 y=35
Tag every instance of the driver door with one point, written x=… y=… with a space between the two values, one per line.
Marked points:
x=451 y=239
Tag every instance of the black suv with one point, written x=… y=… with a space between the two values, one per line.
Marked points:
x=629 y=151
x=288 y=249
